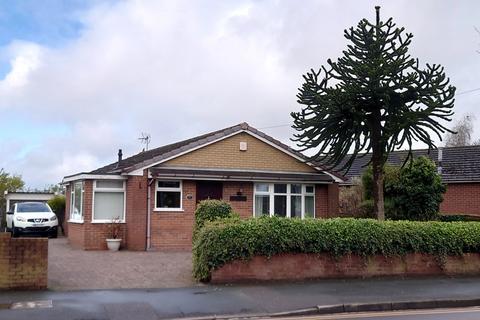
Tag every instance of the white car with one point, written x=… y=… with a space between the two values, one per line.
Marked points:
x=32 y=218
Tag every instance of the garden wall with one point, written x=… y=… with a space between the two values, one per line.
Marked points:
x=324 y=266
x=23 y=262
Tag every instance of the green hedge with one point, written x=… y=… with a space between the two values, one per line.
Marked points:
x=220 y=242
x=210 y=210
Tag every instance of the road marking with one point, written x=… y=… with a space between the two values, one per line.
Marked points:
x=32 y=304
x=376 y=314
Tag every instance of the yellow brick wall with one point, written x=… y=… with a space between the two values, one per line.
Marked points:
x=226 y=154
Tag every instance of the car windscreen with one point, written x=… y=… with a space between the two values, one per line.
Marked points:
x=32 y=207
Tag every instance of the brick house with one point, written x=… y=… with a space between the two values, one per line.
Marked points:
x=155 y=192
x=460 y=171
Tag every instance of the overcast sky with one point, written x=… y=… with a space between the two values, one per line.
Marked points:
x=81 y=79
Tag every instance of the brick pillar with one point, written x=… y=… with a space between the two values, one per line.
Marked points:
x=333 y=194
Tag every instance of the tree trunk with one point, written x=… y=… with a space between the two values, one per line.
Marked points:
x=378 y=203
x=377 y=166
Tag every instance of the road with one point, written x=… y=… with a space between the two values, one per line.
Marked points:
x=433 y=314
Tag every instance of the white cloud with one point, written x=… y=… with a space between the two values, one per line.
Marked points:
x=180 y=68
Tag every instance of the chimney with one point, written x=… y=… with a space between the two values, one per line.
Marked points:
x=120 y=154
x=440 y=159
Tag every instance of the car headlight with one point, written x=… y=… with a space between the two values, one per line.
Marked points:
x=53 y=218
x=22 y=219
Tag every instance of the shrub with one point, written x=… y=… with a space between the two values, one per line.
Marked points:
x=57 y=203
x=350 y=199
x=413 y=192
x=209 y=210
x=220 y=242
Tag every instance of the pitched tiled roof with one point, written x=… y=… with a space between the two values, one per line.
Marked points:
x=150 y=157
x=459 y=164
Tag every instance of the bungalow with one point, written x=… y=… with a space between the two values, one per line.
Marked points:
x=155 y=192
x=458 y=166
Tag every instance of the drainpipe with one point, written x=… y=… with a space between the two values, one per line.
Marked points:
x=149 y=210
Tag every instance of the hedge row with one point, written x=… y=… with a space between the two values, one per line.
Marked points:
x=222 y=241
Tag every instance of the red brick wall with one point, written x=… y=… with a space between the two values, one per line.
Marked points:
x=333 y=199
x=173 y=230
x=324 y=266
x=461 y=198
x=321 y=201
x=23 y=262
x=136 y=212
x=243 y=208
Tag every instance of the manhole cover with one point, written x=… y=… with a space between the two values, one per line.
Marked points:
x=32 y=304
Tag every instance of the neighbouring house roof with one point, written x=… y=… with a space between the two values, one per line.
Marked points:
x=458 y=164
x=151 y=157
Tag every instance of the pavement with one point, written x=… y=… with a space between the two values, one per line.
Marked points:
x=246 y=299
x=75 y=269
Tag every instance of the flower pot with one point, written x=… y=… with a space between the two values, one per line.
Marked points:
x=113 y=244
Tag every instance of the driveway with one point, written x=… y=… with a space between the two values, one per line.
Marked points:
x=75 y=269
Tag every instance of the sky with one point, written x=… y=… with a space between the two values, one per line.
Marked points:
x=81 y=79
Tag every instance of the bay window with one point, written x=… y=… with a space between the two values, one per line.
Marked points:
x=108 y=201
x=76 y=201
x=168 y=195
x=292 y=200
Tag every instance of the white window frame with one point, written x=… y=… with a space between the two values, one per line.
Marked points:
x=72 y=202
x=179 y=189
x=271 y=193
x=109 y=190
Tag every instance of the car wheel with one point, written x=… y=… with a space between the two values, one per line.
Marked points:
x=54 y=233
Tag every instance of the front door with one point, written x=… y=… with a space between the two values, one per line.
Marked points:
x=209 y=190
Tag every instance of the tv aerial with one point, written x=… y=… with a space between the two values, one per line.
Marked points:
x=145 y=139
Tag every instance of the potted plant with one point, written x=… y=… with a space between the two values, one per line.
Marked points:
x=113 y=240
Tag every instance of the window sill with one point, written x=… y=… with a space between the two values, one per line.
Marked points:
x=106 y=221
x=168 y=210
x=75 y=221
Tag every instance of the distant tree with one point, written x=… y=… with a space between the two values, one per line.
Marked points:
x=463 y=133
x=375 y=98
x=9 y=183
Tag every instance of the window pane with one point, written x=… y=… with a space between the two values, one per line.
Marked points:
x=168 y=199
x=280 y=188
x=296 y=188
x=309 y=207
x=263 y=187
x=280 y=206
x=262 y=205
x=77 y=213
x=108 y=206
x=309 y=189
x=169 y=184
x=296 y=207
x=117 y=184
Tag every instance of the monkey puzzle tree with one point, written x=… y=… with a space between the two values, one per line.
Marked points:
x=375 y=98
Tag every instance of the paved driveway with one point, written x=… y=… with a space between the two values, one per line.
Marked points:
x=74 y=269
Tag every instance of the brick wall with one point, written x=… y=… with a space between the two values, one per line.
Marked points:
x=136 y=212
x=172 y=230
x=324 y=266
x=321 y=201
x=226 y=154
x=23 y=262
x=461 y=198
x=243 y=208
